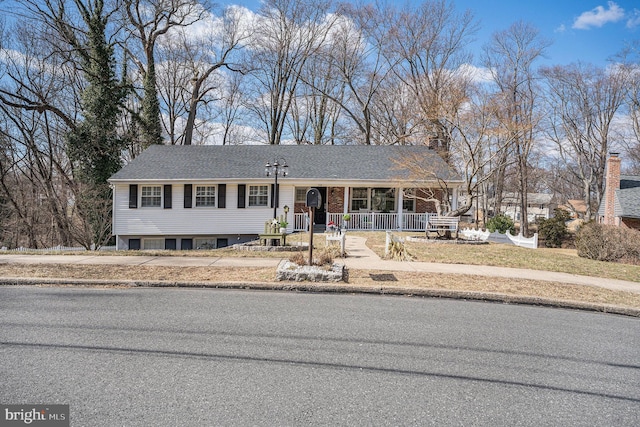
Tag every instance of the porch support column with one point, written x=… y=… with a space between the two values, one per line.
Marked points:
x=400 y=203
x=345 y=208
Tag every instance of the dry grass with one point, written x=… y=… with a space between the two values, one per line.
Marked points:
x=558 y=260
x=139 y=272
x=498 y=285
x=515 y=287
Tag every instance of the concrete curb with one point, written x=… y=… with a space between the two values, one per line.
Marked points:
x=335 y=288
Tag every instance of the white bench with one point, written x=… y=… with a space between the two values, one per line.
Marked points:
x=442 y=225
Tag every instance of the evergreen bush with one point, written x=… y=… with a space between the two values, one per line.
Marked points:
x=501 y=223
x=554 y=230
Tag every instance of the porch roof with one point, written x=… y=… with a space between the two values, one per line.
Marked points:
x=306 y=163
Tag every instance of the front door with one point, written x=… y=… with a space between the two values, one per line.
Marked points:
x=320 y=216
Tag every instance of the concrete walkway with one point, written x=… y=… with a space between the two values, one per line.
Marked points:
x=360 y=257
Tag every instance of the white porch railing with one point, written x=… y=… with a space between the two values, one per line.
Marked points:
x=300 y=222
x=370 y=221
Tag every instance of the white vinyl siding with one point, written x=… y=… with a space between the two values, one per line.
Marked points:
x=205 y=196
x=194 y=222
x=151 y=196
x=258 y=195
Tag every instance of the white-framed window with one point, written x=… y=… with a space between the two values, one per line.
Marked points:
x=409 y=200
x=205 y=195
x=152 y=243
x=383 y=200
x=359 y=199
x=258 y=195
x=151 y=196
x=205 y=243
x=376 y=199
x=301 y=194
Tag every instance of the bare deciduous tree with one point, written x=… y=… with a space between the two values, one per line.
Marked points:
x=583 y=102
x=150 y=20
x=510 y=56
x=288 y=33
x=429 y=42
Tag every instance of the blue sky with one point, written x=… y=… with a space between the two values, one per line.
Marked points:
x=590 y=31
x=581 y=30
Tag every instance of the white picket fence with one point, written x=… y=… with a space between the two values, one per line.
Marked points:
x=496 y=237
x=57 y=249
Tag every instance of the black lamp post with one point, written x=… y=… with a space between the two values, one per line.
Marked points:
x=275 y=168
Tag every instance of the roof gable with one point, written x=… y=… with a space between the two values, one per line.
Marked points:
x=306 y=162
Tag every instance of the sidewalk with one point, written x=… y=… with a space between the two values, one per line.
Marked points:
x=360 y=257
x=363 y=258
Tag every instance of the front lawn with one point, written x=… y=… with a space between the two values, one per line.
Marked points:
x=565 y=261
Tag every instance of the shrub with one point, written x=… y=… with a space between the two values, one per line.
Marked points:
x=501 y=223
x=321 y=257
x=298 y=258
x=397 y=250
x=554 y=230
x=607 y=243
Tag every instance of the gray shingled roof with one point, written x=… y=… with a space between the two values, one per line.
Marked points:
x=628 y=196
x=532 y=198
x=306 y=162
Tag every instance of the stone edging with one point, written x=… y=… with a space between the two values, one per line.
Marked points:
x=335 y=288
x=291 y=271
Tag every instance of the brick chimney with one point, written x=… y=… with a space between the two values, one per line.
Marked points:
x=612 y=184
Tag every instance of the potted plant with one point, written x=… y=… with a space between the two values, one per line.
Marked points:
x=283 y=226
x=346 y=218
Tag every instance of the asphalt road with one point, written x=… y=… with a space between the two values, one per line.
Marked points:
x=188 y=357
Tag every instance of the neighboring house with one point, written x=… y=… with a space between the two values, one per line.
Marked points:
x=620 y=205
x=184 y=197
x=539 y=206
x=576 y=207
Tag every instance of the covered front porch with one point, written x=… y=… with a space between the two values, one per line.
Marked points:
x=370 y=208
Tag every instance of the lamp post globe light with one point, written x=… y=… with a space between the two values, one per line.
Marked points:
x=275 y=168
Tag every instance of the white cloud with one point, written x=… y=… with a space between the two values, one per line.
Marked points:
x=599 y=16
x=477 y=74
x=560 y=29
x=634 y=19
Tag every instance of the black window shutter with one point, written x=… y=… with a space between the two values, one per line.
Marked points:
x=222 y=195
x=188 y=194
x=242 y=194
x=170 y=244
x=167 y=196
x=133 y=196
